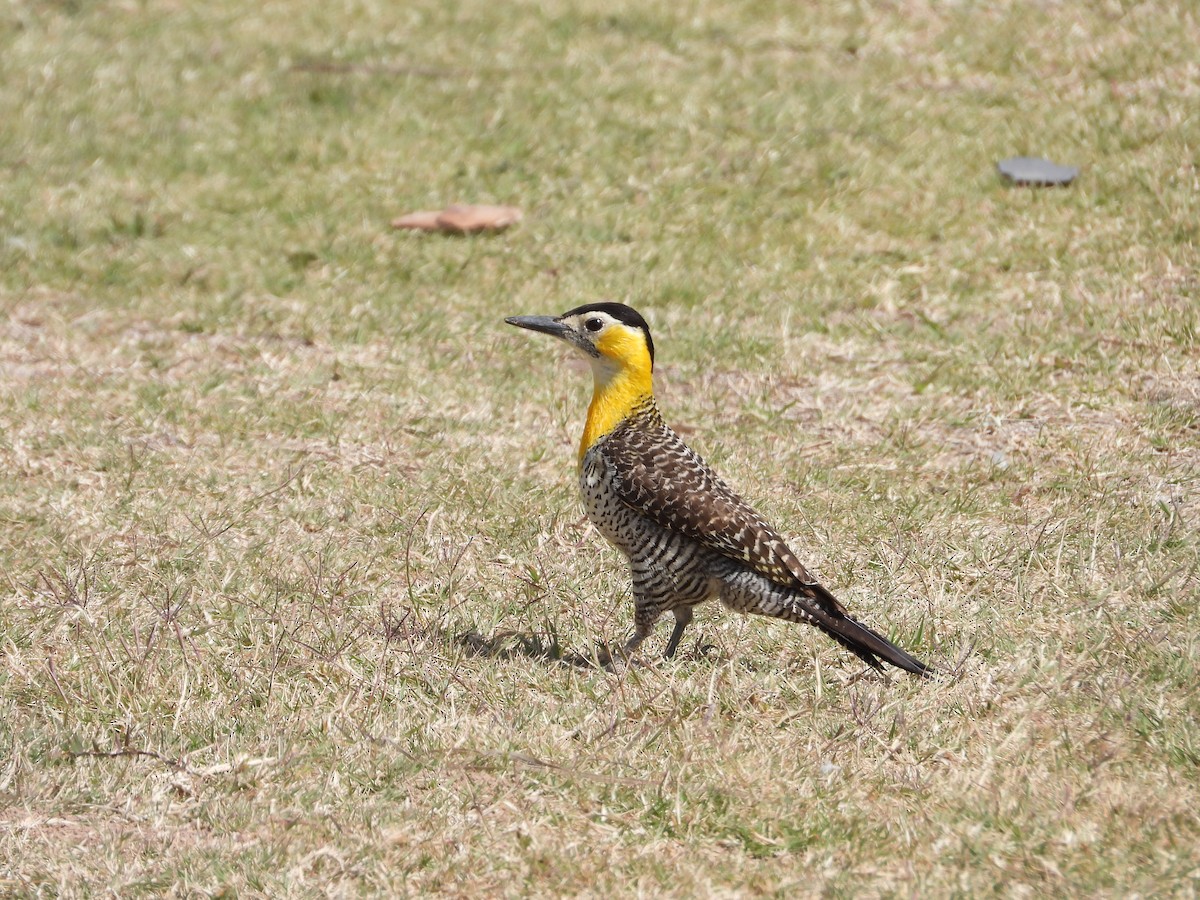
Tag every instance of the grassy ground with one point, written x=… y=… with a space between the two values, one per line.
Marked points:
x=294 y=580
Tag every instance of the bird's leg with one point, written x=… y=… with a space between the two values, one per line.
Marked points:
x=644 y=617
x=683 y=617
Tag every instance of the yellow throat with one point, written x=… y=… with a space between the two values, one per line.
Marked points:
x=622 y=381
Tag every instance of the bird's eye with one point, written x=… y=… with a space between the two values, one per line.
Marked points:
x=593 y=324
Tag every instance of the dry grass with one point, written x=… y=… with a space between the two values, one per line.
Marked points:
x=297 y=598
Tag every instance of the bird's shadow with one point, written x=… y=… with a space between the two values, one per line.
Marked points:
x=540 y=647
x=546 y=648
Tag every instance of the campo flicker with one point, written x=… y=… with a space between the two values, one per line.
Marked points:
x=688 y=537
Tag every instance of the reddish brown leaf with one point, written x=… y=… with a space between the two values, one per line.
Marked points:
x=426 y=220
x=462 y=218
x=468 y=219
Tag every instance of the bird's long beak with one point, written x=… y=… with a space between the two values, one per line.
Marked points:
x=544 y=324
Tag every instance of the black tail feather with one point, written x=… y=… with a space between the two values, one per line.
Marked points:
x=865 y=643
x=872 y=647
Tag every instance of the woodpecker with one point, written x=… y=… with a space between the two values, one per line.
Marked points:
x=688 y=537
